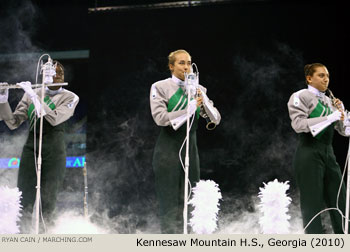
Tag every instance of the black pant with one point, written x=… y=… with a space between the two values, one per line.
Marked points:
x=318 y=177
x=52 y=175
x=169 y=177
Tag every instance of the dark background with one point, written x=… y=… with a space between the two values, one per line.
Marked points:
x=250 y=56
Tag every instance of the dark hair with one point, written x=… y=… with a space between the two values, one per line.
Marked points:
x=310 y=69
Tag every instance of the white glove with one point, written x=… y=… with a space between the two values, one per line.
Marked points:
x=4 y=95
x=335 y=116
x=347 y=131
x=179 y=121
x=27 y=87
x=193 y=106
x=347 y=119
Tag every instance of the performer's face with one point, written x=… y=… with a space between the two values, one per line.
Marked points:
x=58 y=78
x=320 y=79
x=182 y=64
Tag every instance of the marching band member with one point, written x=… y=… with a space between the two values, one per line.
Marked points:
x=59 y=105
x=314 y=116
x=168 y=101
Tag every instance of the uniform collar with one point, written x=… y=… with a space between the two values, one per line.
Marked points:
x=315 y=91
x=53 y=92
x=177 y=80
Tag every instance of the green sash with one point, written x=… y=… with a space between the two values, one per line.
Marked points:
x=179 y=102
x=320 y=110
x=31 y=110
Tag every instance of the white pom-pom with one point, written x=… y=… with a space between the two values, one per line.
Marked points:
x=205 y=200
x=274 y=206
x=10 y=208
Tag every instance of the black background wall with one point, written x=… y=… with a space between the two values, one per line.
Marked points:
x=250 y=57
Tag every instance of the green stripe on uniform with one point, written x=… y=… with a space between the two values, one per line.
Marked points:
x=318 y=110
x=179 y=102
x=174 y=100
x=49 y=103
x=321 y=110
x=31 y=110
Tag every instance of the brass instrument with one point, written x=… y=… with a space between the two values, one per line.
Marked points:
x=210 y=124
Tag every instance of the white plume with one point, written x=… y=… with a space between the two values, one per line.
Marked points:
x=10 y=208
x=205 y=200
x=274 y=206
